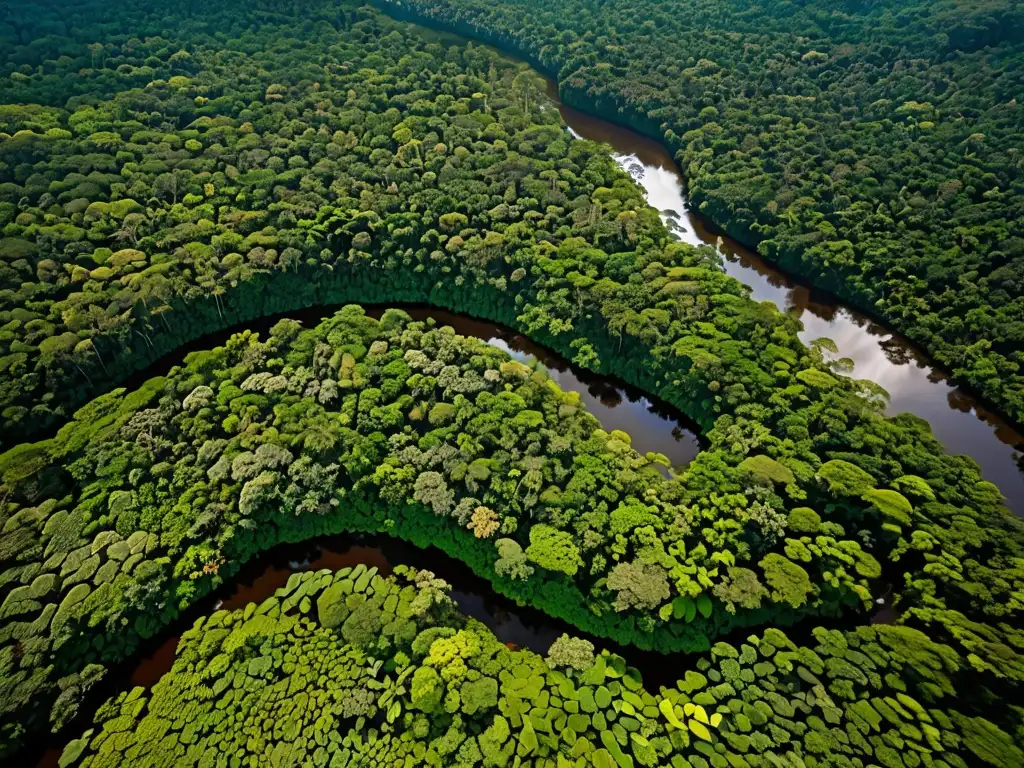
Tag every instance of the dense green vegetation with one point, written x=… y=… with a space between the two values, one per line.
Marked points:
x=362 y=425
x=231 y=162
x=180 y=177
x=353 y=669
x=873 y=148
x=150 y=499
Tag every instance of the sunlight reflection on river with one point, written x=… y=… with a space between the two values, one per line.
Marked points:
x=957 y=420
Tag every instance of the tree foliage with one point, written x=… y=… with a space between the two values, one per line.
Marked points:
x=870 y=148
x=249 y=160
x=295 y=693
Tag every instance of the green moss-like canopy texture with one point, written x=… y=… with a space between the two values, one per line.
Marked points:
x=152 y=499
x=217 y=165
x=872 y=148
x=349 y=668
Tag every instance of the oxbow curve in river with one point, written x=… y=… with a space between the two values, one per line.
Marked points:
x=515 y=625
x=806 y=505
x=957 y=418
x=261 y=577
x=653 y=425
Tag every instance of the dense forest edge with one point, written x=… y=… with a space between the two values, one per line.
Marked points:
x=874 y=208
x=151 y=499
x=392 y=674
x=234 y=180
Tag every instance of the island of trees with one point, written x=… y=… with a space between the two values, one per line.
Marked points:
x=166 y=176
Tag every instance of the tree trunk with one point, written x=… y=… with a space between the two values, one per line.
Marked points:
x=81 y=370
x=96 y=352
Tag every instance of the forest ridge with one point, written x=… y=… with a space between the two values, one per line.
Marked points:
x=872 y=149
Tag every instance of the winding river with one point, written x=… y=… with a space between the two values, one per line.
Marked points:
x=957 y=418
x=654 y=426
x=263 y=575
x=260 y=578
x=516 y=626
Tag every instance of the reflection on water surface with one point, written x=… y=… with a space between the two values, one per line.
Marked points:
x=960 y=423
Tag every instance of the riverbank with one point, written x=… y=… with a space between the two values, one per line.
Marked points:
x=963 y=419
x=654 y=425
x=514 y=624
x=957 y=418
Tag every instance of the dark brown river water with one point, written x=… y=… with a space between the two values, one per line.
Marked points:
x=959 y=421
x=516 y=626
x=653 y=427
x=520 y=627
x=957 y=418
x=652 y=424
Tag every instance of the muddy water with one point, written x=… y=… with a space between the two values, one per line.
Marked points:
x=958 y=420
x=516 y=626
x=914 y=385
x=653 y=426
x=258 y=580
x=261 y=577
